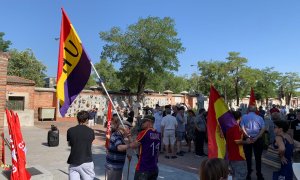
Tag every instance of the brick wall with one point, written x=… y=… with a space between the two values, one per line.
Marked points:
x=3 y=80
x=43 y=97
x=15 y=90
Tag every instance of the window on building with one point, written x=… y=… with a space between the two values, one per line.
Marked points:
x=16 y=103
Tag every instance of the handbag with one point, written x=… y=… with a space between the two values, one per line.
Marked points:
x=271 y=157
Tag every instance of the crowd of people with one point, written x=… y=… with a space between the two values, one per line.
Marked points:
x=165 y=129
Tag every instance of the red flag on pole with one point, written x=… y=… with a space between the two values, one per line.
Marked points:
x=19 y=171
x=252 y=100
x=109 y=116
x=21 y=151
x=10 y=121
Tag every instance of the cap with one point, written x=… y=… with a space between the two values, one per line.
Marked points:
x=147 y=118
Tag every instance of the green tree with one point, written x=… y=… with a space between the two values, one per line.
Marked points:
x=288 y=84
x=147 y=48
x=108 y=74
x=266 y=84
x=4 y=45
x=236 y=64
x=24 y=64
x=216 y=73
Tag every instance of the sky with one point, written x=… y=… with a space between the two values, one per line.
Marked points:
x=266 y=32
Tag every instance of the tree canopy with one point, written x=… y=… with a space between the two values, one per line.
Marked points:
x=4 y=45
x=146 y=49
x=24 y=64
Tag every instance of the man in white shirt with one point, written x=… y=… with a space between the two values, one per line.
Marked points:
x=168 y=127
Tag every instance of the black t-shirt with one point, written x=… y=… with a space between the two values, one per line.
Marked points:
x=80 y=139
x=296 y=126
x=291 y=116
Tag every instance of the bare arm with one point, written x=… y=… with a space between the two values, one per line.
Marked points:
x=134 y=144
x=281 y=148
x=123 y=147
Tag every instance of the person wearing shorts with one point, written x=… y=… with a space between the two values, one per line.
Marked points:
x=168 y=127
x=180 y=130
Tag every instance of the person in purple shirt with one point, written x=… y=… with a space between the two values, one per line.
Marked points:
x=253 y=127
x=148 y=142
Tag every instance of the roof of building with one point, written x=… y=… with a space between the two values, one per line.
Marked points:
x=15 y=80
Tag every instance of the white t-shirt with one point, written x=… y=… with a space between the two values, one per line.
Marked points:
x=136 y=108
x=169 y=122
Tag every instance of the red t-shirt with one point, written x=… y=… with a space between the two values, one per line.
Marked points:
x=235 y=151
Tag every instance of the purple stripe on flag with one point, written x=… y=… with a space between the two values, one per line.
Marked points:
x=227 y=121
x=76 y=82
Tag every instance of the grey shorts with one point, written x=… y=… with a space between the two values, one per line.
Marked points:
x=83 y=171
x=239 y=169
x=180 y=136
x=169 y=137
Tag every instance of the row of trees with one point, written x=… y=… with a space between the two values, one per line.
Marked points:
x=147 y=55
x=234 y=79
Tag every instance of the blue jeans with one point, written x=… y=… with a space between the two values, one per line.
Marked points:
x=239 y=169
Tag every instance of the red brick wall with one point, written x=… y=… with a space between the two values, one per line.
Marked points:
x=3 y=80
x=11 y=89
x=43 y=99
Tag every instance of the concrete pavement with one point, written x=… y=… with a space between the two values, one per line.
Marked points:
x=54 y=159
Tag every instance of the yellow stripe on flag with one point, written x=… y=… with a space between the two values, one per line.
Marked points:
x=76 y=49
x=220 y=108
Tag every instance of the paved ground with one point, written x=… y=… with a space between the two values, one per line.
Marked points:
x=54 y=158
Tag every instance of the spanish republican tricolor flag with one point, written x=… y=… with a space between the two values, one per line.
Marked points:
x=219 y=120
x=74 y=66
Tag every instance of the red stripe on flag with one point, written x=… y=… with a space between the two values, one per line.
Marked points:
x=212 y=124
x=109 y=116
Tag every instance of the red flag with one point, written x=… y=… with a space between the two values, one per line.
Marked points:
x=21 y=151
x=109 y=116
x=18 y=150
x=252 y=100
x=10 y=121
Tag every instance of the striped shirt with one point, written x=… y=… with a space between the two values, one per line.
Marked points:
x=115 y=159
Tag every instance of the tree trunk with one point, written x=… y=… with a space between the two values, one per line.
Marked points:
x=141 y=87
x=288 y=99
x=237 y=93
